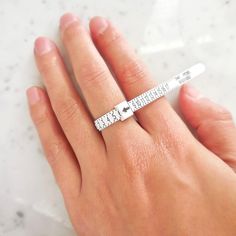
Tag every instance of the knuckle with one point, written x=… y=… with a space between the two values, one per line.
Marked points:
x=70 y=191
x=140 y=159
x=224 y=114
x=114 y=39
x=40 y=115
x=169 y=143
x=132 y=72
x=73 y=30
x=66 y=109
x=93 y=74
x=138 y=156
x=54 y=151
x=49 y=63
x=221 y=118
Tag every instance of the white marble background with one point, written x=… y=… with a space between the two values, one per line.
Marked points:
x=170 y=35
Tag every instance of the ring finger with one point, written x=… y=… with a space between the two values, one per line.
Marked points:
x=131 y=74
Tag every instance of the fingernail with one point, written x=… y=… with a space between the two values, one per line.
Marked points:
x=33 y=95
x=66 y=20
x=43 y=45
x=193 y=93
x=99 y=25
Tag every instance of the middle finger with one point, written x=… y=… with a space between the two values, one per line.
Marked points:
x=99 y=88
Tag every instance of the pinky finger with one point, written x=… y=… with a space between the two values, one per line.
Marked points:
x=57 y=149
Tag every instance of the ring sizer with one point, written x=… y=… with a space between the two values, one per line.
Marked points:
x=126 y=109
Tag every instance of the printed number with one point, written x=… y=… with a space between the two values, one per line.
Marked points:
x=134 y=104
x=104 y=124
x=143 y=100
x=98 y=125
x=113 y=115
x=147 y=98
x=138 y=103
x=159 y=91
x=151 y=95
x=108 y=119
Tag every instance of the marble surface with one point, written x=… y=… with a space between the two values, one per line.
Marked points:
x=170 y=35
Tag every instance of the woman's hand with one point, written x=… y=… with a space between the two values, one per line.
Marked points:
x=148 y=176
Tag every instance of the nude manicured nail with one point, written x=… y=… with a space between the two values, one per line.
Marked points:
x=99 y=25
x=33 y=95
x=43 y=46
x=66 y=20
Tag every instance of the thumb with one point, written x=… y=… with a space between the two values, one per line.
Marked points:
x=212 y=123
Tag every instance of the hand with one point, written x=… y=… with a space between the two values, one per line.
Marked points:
x=148 y=176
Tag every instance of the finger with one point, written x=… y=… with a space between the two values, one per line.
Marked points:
x=99 y=88
x=67 y=105
x=58 y=151
x=131 y=74
x=213 y=124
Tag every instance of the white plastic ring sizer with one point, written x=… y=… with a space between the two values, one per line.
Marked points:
x=126 y=109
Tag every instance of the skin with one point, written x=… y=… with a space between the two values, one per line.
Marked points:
x=143 y=176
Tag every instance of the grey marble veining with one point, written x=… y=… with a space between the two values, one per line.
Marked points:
x=170 y=35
